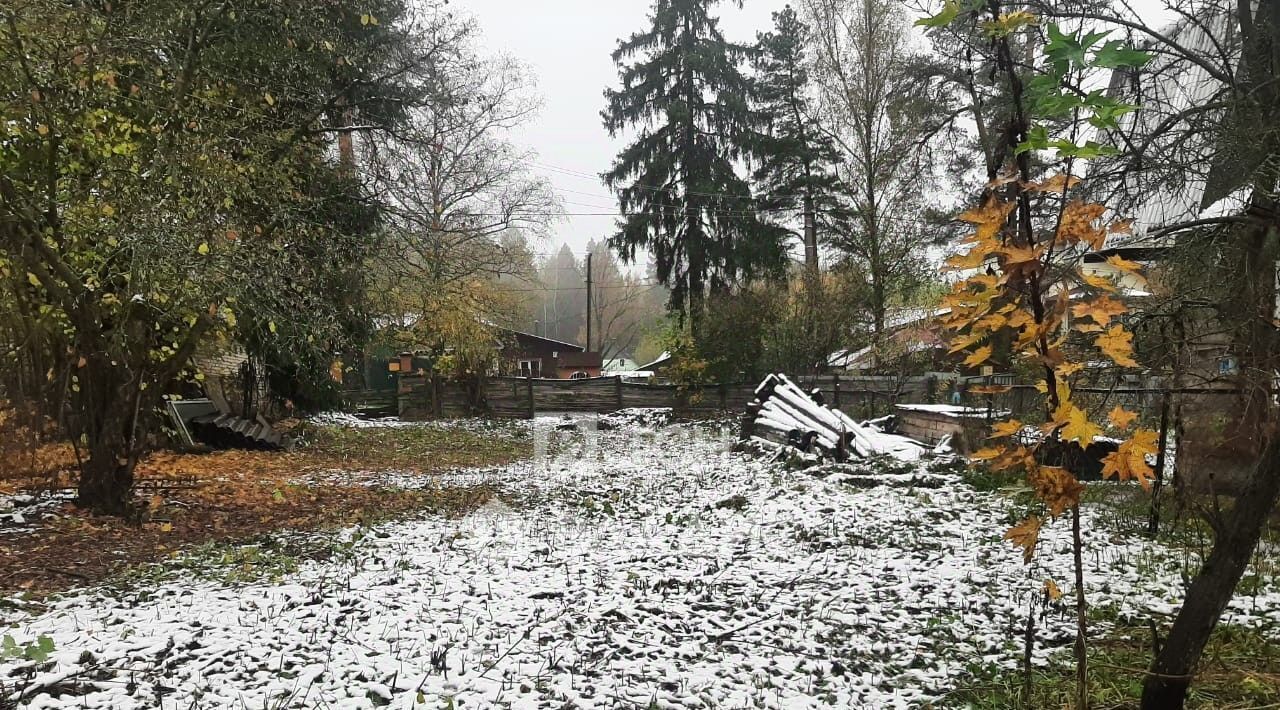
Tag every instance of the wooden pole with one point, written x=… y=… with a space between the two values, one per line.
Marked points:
x=617 y=390
x=836 y=382
x=533 y=411
x=589 y=303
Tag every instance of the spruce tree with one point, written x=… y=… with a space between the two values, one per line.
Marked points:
x=794 y=173
x=684 y=94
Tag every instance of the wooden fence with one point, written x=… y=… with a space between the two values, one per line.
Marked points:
x=522 y=398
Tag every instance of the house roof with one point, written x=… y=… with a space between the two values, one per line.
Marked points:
x=1157 y=195
x=549 y=341
x=663 y=359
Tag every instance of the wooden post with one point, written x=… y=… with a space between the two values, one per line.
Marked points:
x=437 y=407
x=724 y=396
x=617 y=390
x=836 y=382
x=533 y=410
x=1153 y=524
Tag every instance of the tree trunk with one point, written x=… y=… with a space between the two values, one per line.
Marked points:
x=1171 y=673
x=106 y=477
x=1236 y=534
x=810 y=237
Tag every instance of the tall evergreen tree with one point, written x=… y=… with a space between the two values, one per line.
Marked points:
x=678 y=184
x=796 y=156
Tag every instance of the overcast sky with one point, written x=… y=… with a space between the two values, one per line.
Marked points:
x=567 y=45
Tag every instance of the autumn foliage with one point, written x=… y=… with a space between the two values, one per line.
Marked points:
x=1037 y=298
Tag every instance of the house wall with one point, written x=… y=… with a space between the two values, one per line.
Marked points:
x=1219 y=435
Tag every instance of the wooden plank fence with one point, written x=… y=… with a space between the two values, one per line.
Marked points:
x=422 y=397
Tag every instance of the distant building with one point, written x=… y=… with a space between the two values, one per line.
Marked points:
x=620 y=364
x=523 y=354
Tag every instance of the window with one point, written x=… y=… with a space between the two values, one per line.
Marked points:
x=531 y=368
x=580 y=375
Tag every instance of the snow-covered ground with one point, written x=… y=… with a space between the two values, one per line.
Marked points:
x=656 y=570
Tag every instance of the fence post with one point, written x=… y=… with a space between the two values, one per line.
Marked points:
x=724 y=396
x=437 y=407
x=836 y=394
x=533 y=410
x=1153 y=524
x=617 y=389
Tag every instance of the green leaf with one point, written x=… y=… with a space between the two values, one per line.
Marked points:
x=1037 y=139
x=1115 y=54
x=950 y=11
x=203 y=249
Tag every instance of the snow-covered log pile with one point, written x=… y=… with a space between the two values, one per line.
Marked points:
x=783 y=416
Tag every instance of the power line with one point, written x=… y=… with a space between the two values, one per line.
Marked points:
x=669 y=190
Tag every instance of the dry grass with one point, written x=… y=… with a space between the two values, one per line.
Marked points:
x=188 y=500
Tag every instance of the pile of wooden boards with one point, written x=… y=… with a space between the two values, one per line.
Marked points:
x=784 y=415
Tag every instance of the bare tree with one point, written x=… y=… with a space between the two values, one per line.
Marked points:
x=874 y=114
x=457 y=187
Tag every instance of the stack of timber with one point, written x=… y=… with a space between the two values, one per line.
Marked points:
x=783 y=416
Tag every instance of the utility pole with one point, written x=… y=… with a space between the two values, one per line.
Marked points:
x=588 y=302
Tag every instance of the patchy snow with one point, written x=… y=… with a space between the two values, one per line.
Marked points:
x=662 y=570
x=351 y=421
x=20 y=513
x=955 y=411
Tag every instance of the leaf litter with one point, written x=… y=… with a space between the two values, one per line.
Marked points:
x=617 y=579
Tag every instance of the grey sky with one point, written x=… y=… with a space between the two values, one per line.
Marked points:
x=567 y=44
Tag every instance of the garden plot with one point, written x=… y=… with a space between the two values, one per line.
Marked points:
x=658 y=571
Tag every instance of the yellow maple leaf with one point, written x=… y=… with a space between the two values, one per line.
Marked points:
x=1129 y=462
x=1099 y=282
x=971 y=259
x=1075 y=424
x=1102 y=309
x=1124 y=264
x=1057 y=183
x=1051 y=590
x=1117 y=344
x=988 y=453
x=993 y=210
x=1068 y=369
x=1058 y=489
x=1003 y=430
x=978 y=356
x=964 y=342
x=1025 y=535
x=1078 y=224
x=1121 y=418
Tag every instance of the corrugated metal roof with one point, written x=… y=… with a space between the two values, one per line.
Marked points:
x=1177 y=179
